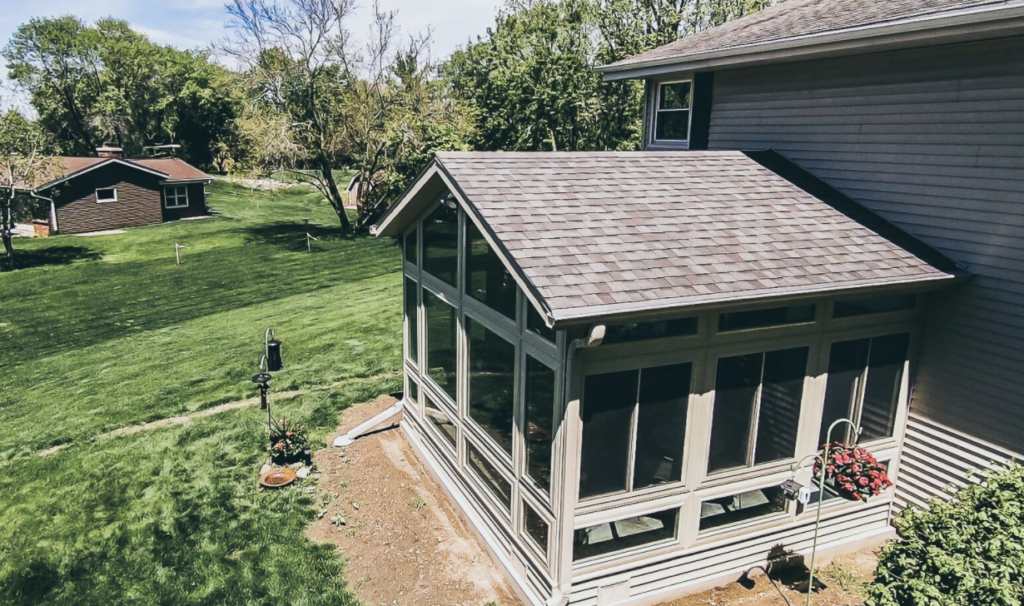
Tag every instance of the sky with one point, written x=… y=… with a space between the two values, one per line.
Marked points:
x=199 y=23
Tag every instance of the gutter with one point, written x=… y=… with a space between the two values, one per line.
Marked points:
x=53 y=207
x=975 y=23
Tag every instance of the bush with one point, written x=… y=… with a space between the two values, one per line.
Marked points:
x=968 y=551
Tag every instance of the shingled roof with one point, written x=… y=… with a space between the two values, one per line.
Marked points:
x=170 y=169
x=805 y=22
x=618 y=233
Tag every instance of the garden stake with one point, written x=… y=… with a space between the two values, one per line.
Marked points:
x=309 y=240
x=177 y=255
x=821 y=498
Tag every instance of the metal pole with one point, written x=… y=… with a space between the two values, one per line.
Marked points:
x=309 y=241
x=177 y=255
x=821 y=499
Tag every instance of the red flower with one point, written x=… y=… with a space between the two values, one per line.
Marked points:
x=831 y=469
x=863 y=481
x=289 y=433
x=855 y=496
x=855 y=468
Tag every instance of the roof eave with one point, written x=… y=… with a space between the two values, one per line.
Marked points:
x=961 y=26
x=632 y=312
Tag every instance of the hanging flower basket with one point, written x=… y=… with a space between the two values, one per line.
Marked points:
x=854 y=471
x=288 y=443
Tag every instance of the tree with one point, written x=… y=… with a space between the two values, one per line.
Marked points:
x=24 y=162
x=964 y=550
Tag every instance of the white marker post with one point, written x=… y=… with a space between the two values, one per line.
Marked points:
x=309 y=241
x=177 y=253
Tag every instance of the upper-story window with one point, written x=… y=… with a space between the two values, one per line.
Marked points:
x=441 y=243
x=487 y=280
x=672 y=112
x=106 y=194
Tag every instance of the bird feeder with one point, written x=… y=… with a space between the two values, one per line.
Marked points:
x=263 y=381
x=272 y=349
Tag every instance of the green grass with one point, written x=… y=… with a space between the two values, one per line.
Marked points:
x=108 y=332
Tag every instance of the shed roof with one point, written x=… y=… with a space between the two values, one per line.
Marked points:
x=620 y=233
x=171 y=169
x=809 y=22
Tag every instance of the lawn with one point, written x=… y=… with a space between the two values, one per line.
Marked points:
x=107 y=332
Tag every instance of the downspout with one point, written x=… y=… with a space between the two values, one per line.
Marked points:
x=562 y=593
x=53 y=208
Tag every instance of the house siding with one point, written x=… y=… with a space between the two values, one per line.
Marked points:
x=932 y=140
x=138 y=200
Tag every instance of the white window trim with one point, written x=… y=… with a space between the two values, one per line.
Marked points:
x=655 y=112
x=99 y=189
x=167 y=198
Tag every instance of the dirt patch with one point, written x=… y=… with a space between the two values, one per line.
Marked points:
x=843 y=583
x=404 y=543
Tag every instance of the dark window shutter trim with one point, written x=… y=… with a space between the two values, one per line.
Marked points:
x=700 y=121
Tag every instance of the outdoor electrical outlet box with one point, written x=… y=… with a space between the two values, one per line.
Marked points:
x=804 y=495
x=795 y=491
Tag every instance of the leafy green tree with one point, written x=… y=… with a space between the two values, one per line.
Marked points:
x=24 y=161
x=965 y=550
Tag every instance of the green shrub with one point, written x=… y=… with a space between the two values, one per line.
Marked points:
x=968 y=551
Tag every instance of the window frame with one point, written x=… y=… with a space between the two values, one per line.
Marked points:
x=112 y=189
x=655 y=113
x=176 y=197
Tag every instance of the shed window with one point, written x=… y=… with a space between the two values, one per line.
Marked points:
x=492 y=362
x=672 y=115
x=487 y=280
x=624 y=534
x=874 y=305
x=642 y=331
x=412 y=325
x=743 y=507
x=489 y=475
x=441 y=242
x=757 y=408
x=536 y=528
x=864 y=380
x=176 y=197
x=764 y=318
x=440 y=362
x=650 y=403
x=540 y=401
x=106 y=194
x=439 y=419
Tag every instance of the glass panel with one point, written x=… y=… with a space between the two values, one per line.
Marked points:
x=440 y=420
x=494 y=481
x=778 y=417
x=410 y=247
x=661 y=424
x=672 y=126
x=736 y=385
x=845 y=366
x=607 y=419
x=641 y=331
x=536 y=528
x=746 y=506
x=441 y=244
x=881 y=393
x=624 y=534
x=876 y=305
x=440 y=362
x=487 y=280
x=762 y=318
x=414 y=390
x=675 y=96
x=540 y=400
x=411 y=289
x=491 y=382
x=535 y=323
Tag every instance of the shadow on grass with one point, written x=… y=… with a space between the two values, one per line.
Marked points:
x=54 y=255
x=291 y=235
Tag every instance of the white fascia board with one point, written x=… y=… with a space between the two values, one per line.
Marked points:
x=93 y=167
x=976 y=23
x=386 y=226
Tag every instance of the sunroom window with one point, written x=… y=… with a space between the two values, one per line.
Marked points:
x=643 y=331
x=441 y=357
x=492 y=362
x=487 y=280
x=410 y=249
x=743 y=507
x=536 y=324
x=536 y=528
x=765 y=318
x=652 y=405
x=489 y=476
x=540 y=400
x=624 y=534
x=672 y=114
x=412 y=324
x=439 y=419
x=757 y=408
x=849 y=308
x=864 y=380
x=441 y=243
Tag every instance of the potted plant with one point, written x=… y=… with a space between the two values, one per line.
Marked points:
x=854 y=472
x=288 y=443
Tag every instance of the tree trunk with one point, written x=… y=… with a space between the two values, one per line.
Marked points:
x=6 y=234
x=334 y=195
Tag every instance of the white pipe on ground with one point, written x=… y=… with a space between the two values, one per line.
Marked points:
x=358 y=431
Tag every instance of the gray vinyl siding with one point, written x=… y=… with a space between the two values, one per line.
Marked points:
x=933 y=140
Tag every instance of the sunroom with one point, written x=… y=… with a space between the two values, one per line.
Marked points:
x=615 y=361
